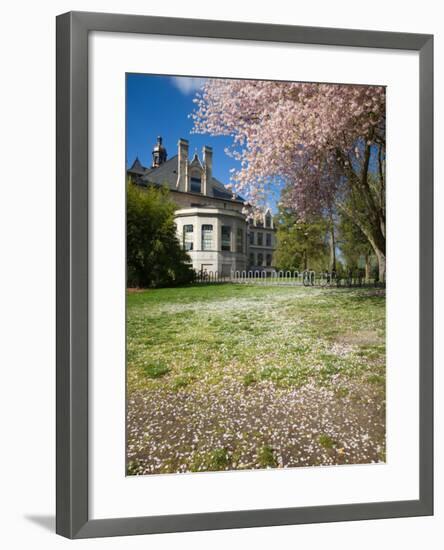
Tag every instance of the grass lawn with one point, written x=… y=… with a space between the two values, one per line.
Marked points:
x=223 y=377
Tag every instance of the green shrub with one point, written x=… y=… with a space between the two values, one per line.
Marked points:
x=154 y=255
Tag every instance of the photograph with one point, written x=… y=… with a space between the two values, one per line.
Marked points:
x=231 y=240
x=255 y=307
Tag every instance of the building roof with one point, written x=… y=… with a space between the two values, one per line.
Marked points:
x=166 y=174
x=137 y=167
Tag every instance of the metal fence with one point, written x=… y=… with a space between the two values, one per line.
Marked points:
x=290 y=278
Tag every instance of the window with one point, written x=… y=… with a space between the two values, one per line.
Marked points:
x=268 y=220
x=196 y=184
x=226 y=237
x=240 y=240
x=207 y=237
x=260 y=239
x=268 y=260
x=251 y=258
x=260 y=259
x=188 y=237
x=268 y=239
x=251 y=237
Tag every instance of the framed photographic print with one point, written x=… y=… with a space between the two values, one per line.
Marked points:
x=244 y=275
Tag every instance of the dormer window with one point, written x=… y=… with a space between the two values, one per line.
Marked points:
x=196 y=184
x=268 y=220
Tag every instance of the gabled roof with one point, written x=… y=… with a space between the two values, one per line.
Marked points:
x=196 y=161
x=166 y=174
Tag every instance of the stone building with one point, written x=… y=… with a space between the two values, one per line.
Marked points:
x=210 y=219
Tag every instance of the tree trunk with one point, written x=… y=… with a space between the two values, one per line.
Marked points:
x=367 y=208
x=378 y=246
x=367 y=268
x=332 y=244
x=379 y=249
x=381 y=264
x=375 y=238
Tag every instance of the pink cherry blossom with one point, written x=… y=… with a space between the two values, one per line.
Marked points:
x=300 y=133
x=319 y=142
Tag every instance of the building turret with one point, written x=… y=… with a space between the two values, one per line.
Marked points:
x=159 y=154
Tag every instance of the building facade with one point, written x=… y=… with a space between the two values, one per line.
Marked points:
x=211 y=222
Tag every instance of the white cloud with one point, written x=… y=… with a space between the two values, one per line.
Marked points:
x=187 y=84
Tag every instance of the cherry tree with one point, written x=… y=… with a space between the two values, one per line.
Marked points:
x=324 y=142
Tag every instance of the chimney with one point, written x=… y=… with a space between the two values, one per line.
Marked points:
x=208 y=170
x=182 y=166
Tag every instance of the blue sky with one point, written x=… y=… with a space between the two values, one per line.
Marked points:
x=160 y=105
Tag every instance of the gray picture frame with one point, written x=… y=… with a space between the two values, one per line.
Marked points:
x=72 y=517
